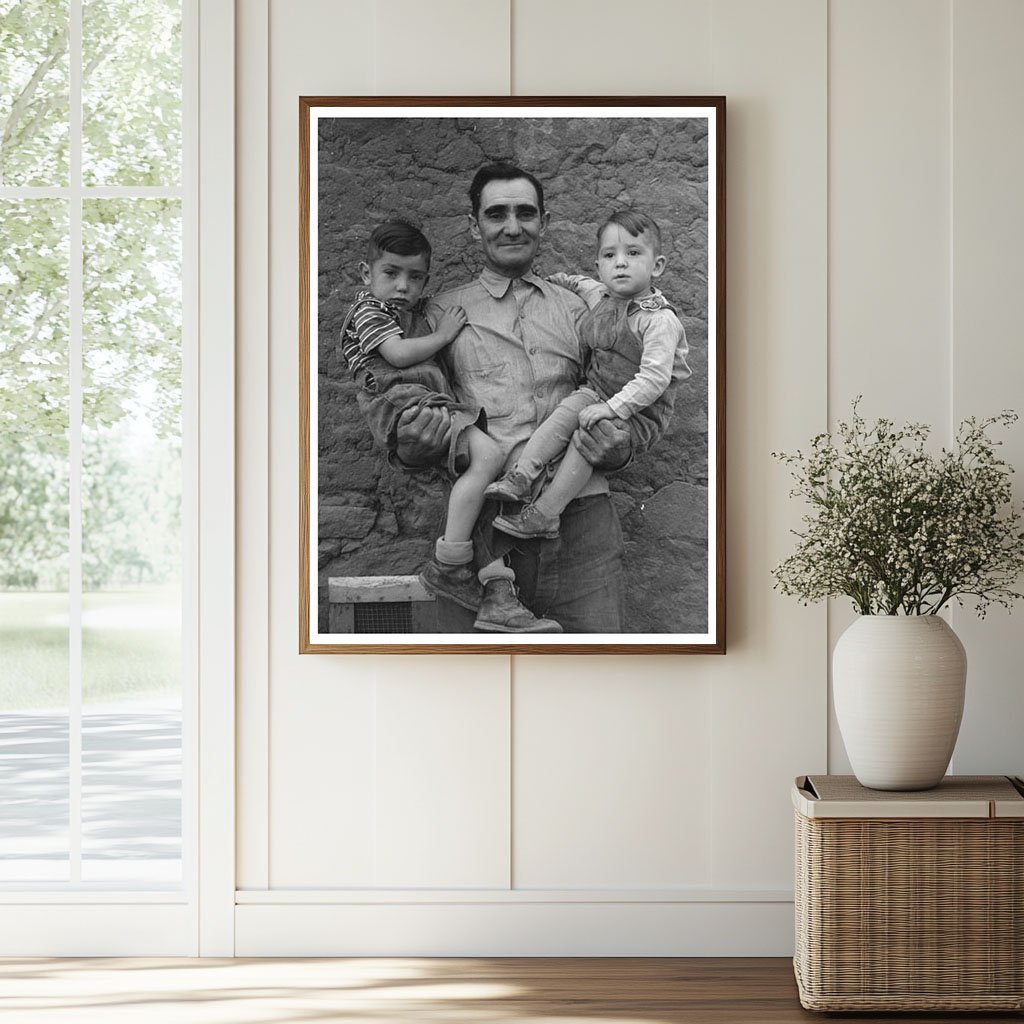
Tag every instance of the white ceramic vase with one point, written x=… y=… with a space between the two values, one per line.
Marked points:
x=898 y=684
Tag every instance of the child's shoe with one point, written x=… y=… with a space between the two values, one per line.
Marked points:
x=513 y=486
x=529 y=523
x=458 y=583
x=503 y=612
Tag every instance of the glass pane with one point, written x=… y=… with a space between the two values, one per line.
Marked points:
x=131 y=92
x=34 y=786
x=131 y=745
x=33 y=540
x=131 y=541
x=33 y=92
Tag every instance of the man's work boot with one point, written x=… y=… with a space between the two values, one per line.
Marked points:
x=503 y=612
x=513 y=486
x=529 y=523
x=458 y=583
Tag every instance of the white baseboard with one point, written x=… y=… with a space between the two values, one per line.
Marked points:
x=521 y=928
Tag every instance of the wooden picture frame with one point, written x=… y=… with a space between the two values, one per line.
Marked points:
x=367 y=524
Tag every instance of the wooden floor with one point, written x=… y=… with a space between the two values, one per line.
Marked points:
x=414 y=991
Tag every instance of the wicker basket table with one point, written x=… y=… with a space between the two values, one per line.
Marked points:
x=910 y=901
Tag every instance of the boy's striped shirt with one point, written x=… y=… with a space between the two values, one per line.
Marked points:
x=369 y=324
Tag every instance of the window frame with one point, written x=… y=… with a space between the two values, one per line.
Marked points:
x=75 y=918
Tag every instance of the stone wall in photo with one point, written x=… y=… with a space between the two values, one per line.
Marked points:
x=375 y=520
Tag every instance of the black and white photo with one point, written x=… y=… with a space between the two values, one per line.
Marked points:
x=512 y=375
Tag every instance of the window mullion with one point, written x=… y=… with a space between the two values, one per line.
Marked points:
x=75 y=344
x=190 y=444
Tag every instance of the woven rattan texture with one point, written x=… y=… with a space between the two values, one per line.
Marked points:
x=959 y=787
x=914 y=914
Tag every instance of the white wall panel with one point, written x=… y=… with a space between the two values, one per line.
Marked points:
x=615 y=794
x=769 y=693
x=320 y=709
x=582 y=47
x=322 y=759
x=847 y=272
x=442 y=48
x=323 y=812
x=321 y=48
x=442 y=760
x=889 y=249
x=889 y=208
x=612 y=785
x=987 y=366
x=442 y=773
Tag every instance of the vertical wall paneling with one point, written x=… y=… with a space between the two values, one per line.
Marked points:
x=987 y=368
x=321 y=708
x=252 y=183
x=442 y=48
x=611 y=775
x=888 y=223
x=323 y=764
x=769 y=693
x=442 y=774
x=611 y=755
x=633 y=805
x=324 y=725
x=579 y=48
x=889 y=203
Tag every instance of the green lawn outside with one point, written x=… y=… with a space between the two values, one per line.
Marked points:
x=130 y=647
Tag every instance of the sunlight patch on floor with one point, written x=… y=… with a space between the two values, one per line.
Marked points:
x=221 y=991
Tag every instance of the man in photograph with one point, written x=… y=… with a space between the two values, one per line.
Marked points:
x=517 y=357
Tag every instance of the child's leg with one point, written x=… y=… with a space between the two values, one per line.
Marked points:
x=570 y=478
x=467 y=496
x=552 y=437
x=541 y=519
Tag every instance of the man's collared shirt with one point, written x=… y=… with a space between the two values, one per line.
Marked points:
x=518 y=355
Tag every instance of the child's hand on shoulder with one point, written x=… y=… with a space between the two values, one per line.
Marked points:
x=562 y=280
x=453 y=319
x=595 y=413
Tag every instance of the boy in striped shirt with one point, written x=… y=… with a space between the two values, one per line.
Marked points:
x=389 y=348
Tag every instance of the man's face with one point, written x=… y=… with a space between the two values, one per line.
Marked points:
x=509 y=226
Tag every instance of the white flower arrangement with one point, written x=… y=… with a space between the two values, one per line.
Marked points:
x=899 y=530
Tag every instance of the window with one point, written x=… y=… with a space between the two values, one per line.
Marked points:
x=95 y=457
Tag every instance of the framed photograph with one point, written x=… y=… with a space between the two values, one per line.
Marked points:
x=512 y=375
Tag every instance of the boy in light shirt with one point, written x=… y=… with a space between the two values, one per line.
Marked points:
x=635 y=347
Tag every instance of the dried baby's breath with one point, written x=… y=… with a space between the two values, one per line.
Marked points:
x=899 y=530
